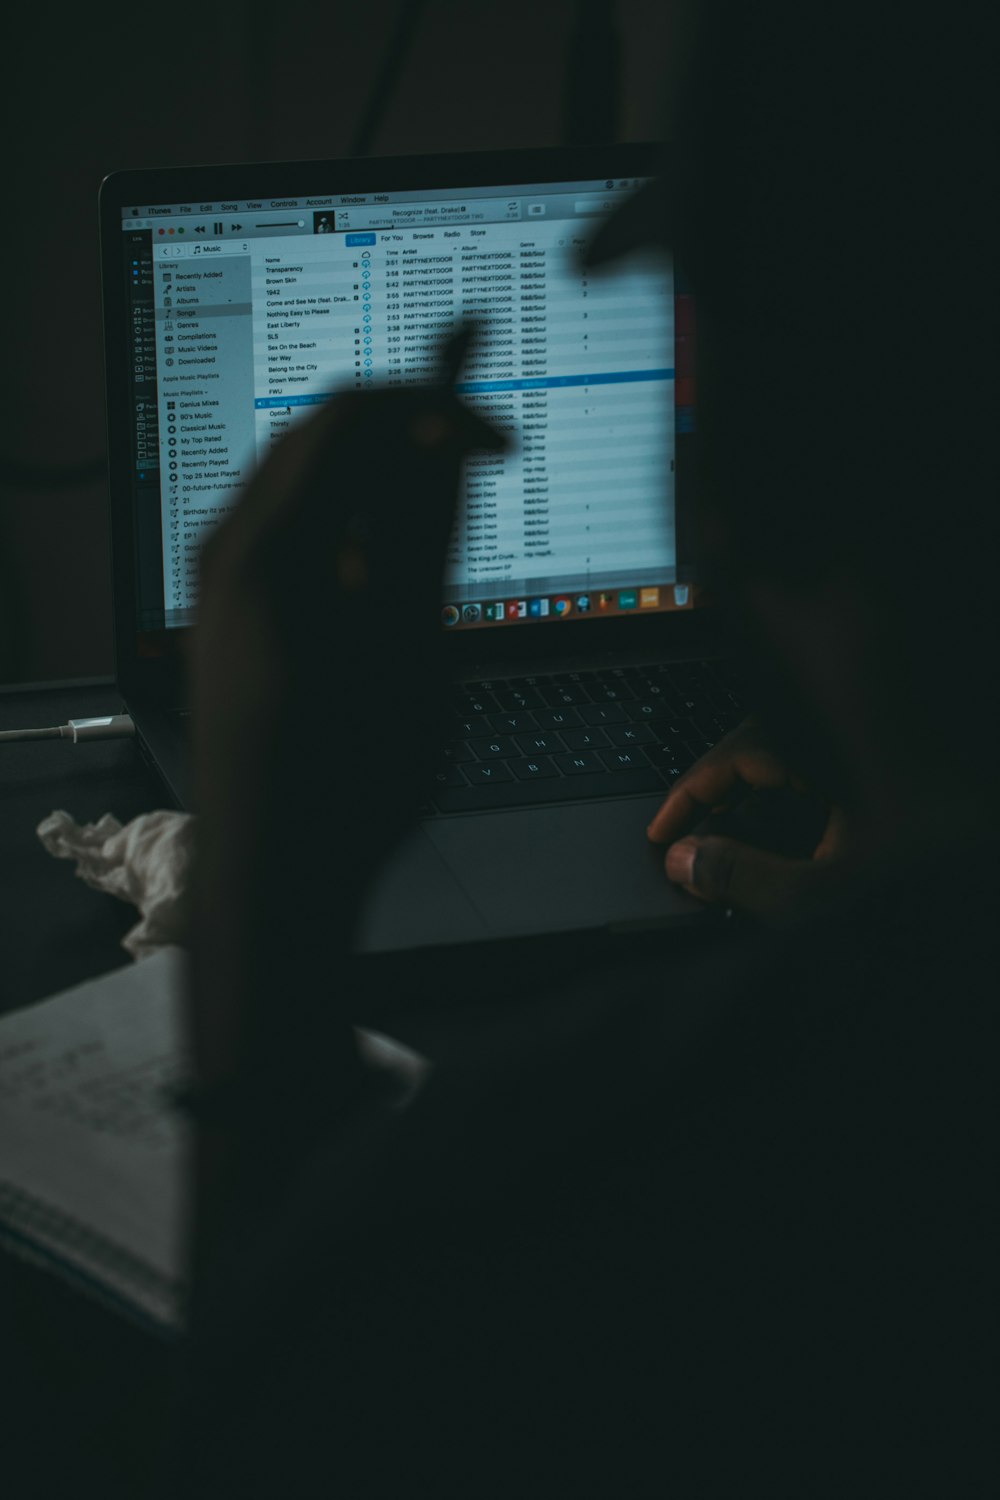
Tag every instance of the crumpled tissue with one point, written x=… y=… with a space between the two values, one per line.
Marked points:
x=146 y=862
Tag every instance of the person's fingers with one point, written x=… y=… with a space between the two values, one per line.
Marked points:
x=647 y=218
x=474 y=433
x=738 y=760
x=452 y=427
x=277 y=482
x=350 y=438
x=382 y=502
x=834 y=842
x=725 y=871
x=387 y=477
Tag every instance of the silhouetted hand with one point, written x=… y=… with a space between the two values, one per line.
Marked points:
x=320 y=614
x=742 y=830
x=318 y=703
x=317 y=672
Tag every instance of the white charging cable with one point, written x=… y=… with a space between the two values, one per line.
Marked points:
x=112 y=727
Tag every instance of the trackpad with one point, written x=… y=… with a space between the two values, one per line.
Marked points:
x=560 y=868
x=416 y=901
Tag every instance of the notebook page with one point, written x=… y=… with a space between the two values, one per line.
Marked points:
x=92 y=1157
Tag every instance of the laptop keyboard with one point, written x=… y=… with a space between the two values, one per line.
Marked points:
x=571 y=736
x=529 y=741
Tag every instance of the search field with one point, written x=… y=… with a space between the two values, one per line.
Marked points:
x=595 y=205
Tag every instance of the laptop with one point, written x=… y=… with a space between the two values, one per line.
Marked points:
x=586 y=663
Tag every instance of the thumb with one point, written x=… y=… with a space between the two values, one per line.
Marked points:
x=727 y=871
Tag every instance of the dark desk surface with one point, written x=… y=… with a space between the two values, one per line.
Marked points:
x=90 y=1390
x=56 y=931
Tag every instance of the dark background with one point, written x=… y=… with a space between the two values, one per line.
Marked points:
x=94 y=90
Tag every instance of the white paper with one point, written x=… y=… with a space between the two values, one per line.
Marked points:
x=94 y=1160
x=90 y=1149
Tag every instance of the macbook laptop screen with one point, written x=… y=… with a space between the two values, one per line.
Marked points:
x=245 y=313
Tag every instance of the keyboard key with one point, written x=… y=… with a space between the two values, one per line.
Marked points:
x=584 y=739
x=557 y=718
x=694 y=707
x=489 y=773
x=467 y=727
x=649 y=710
x=495 y=747
x=575 y=762
x=623 y=760
x=711 y=726
x=670 y=756
x=665 y=681
x=449 y=776
x=654 y=689
x=512 y=723
x=546 y=791
x=604 y=713
x=457 y=751
x=536 y=768
x=539 y=744
x=478 y=703
x=610 y=692
x=678 y=731
x=631 y=734
x=564 y=696
x=527 y=698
